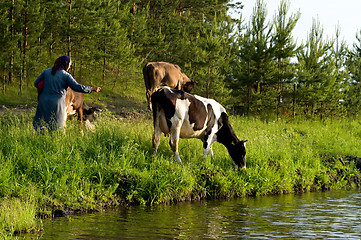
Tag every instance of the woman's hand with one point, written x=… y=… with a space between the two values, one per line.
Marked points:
x=96 y=89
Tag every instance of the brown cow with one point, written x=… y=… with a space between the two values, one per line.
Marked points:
x=158 y=74
x=74 y=103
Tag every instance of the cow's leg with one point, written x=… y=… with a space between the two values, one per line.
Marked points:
x=156 y=135
x=80 y=117
x=65 y=118
x=206 y=152
x=148 y=95
x=207 y=145
x=174 y=138
x=156 y=139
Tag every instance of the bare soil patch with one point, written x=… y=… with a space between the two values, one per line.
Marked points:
x=128 y=111
x=17 y=109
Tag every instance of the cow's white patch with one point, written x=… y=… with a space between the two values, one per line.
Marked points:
x=65 y=116
x=182 y=113
x=177 y=157
x=89 y=125
x=70 y=109
x=218 y=109
x=208 y=151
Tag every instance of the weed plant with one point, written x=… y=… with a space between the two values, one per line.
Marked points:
x=56 y=172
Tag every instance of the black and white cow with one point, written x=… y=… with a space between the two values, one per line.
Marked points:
x=183 y=115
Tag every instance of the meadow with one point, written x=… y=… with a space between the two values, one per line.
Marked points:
x=57 y=173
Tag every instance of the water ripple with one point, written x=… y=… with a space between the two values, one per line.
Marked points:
x=328 y=215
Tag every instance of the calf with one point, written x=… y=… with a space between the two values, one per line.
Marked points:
x=183 y=115
x=74 y=103
x=158 y=74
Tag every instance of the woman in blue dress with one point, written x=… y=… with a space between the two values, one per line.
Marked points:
x=51 y=112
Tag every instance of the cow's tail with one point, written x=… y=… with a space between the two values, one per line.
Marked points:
x=148 y=84
x=155 y=106
x=159 y=118
x=148 y=73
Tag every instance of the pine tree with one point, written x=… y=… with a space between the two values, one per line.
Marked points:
x=5 y=42
x=339 y=53
x=242 y=74
x=315 y=75
x=256 y=63
x=212 y=56
x=284 y=50
x=352 y=90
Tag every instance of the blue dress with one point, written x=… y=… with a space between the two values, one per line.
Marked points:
x=51 y=112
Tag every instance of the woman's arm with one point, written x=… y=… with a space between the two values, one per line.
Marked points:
x=74 y=85
x=38 y=80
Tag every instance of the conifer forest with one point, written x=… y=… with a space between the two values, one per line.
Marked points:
x=252 y=66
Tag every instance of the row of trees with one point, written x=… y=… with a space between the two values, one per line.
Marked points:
x=277 y=76
x=252 y=66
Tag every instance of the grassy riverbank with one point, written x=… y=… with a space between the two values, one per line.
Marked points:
x=57 y=173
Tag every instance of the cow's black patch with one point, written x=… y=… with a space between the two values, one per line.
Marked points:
x=210 y=123
x=211 y=118
x=225 y=134
x=197 y=113
x=229 y=139
x=205 y=144
x=166 y=100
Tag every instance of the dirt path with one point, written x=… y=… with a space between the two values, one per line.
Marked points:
x=133 y=111
x=17 y=109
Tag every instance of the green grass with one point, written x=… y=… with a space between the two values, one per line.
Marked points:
x=129 y=95
x=13 y=96
x=18 y=216
x=114 y=165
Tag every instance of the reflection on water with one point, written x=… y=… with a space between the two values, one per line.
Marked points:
x=309 y=216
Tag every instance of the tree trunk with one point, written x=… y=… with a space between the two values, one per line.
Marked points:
x=50 y=47
x=39 y=47
x=249 y=88
x=104 y=51
x=294 y=102
x=74 y=66
x=133 y=27
x=25 y=45
x=278 y=90
x=281 y=69
x=12 y=35
x=4 y=78
x=208 y=83
x=69 y=28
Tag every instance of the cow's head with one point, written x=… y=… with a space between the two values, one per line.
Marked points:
x=237 y=152
x=188 y=86
x=90 y=114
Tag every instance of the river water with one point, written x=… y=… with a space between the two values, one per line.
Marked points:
x=325 y=215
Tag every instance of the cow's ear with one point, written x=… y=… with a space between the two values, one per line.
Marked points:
x=244 y=142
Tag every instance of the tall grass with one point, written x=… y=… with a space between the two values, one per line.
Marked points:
x=18 y=216
x=114 y=165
